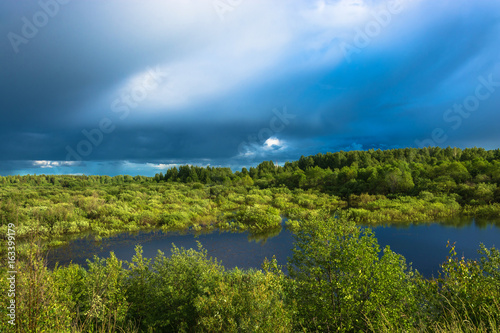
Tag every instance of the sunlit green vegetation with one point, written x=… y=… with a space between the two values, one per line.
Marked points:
x=402 y=185
x=339 y=279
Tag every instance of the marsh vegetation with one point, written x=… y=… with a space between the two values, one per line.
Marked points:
x=339 y=278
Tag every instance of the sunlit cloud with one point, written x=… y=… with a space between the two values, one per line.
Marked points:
x=273 y=143
x=271 y=148
x=161 y=166
x=54 y=164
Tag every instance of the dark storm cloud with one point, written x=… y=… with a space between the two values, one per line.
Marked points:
x=221 y=80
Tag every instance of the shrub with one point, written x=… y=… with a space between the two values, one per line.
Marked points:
x=341 y=284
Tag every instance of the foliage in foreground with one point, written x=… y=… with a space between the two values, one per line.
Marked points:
x=343 y=284
x=338 y=281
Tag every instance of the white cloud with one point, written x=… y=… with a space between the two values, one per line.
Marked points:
x=273 y=143
x=161 y=165
x=269 y=148
x=53 y=164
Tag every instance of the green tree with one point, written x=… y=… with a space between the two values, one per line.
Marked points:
x=398 y=179
x=341 y=284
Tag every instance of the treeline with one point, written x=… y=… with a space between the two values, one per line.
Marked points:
x=471 y=175
x=339 y=280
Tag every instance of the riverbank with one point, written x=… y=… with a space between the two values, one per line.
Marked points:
x=53 y=211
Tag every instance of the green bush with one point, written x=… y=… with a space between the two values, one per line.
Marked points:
x=258 y=217
x=163 y=292
x=342 y=285
x=251 y=301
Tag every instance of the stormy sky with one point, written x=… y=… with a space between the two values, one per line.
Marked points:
x=135 y=87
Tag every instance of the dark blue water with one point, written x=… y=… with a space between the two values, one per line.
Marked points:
x=423 y=245
x=242 y=250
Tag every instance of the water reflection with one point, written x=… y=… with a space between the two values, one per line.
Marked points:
x=234 y=249
x=424 y=245
x=456 y=222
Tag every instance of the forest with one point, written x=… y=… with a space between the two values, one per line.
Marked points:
x=339 y=279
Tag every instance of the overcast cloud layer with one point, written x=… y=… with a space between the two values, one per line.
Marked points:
x=134 y=87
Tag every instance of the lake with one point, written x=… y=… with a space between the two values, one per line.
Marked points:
x=423 y=245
